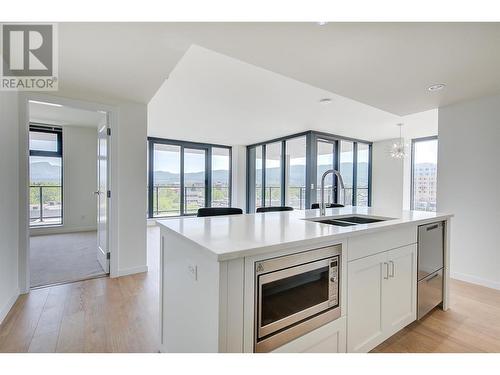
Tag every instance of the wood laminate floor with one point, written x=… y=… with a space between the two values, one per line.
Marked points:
x=121 y=315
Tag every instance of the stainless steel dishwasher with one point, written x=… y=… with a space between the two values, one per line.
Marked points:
x=430 y=267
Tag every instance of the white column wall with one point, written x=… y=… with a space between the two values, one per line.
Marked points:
x=468 y=186
x=9 y=197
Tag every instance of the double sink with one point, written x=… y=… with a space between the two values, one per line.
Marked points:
x=347 y=221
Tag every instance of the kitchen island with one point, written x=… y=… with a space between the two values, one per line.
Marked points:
x=285 y=282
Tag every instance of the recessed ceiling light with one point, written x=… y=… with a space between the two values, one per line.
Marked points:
x=436 y=87
x=322 y=23
x=45 y=103
x=325 y=101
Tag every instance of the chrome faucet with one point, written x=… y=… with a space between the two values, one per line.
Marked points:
x=322 y=209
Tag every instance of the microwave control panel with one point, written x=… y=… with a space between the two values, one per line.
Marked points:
x=334 y=281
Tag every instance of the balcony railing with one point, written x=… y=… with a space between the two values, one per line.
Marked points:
x=296 y=196
x=45 y=205
x=167 y=198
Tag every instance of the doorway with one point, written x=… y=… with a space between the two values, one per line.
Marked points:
x=68 y=193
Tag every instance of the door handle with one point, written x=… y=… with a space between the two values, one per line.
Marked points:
x=97 y=192
x=386 y=270
x=393 y=269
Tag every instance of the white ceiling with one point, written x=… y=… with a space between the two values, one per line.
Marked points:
x=386 y=65
x=214 y=98
x=65 y=116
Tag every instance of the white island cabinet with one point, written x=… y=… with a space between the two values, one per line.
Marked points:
x=214 y=280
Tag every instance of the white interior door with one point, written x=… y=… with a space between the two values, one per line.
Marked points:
x=102 y=198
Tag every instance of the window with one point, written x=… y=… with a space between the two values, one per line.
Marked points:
x=221 y=176
x=291 y=169
x=46 y=204
x=325 y=161
x=424 y=174
x=195 y=180
x=258 y=177
x=166 y=180
x=346 y=169
x=273 y=175
x=362 y=175
x=295 y=172
x=185 y=176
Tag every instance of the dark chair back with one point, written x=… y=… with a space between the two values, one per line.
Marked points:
x=218 y=211
x=274 y=208
x=328 y=205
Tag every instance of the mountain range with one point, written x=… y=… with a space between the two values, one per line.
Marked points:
x=43 y=171
x=46 y=172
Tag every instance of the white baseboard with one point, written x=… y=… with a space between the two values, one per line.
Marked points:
x=5 y=309
x=475 y=280
x=60 y=230
x=131 y=271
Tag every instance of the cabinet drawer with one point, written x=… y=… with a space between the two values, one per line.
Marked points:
x=369 y=244
x=330 y=338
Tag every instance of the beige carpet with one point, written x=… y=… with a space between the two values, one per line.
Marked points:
x=65 y=257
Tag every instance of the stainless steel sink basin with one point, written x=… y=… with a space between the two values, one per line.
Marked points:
x=361 y=219
x=335 y=222
x=347 y=221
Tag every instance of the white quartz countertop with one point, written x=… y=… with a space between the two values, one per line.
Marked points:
x=235 y=236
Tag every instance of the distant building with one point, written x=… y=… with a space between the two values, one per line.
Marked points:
x=425 y=186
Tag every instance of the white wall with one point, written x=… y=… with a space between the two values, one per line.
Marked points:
x=387 y=177
x=131 y=186
x=391 y=178
x=9 y=194
x=79 y=181
x=468 y=186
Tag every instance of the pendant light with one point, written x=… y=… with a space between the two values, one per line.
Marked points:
x=398 y=150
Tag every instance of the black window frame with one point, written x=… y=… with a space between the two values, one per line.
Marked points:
x=208 y=172
x=412 y=166
x=50 y=129
x=312 y=138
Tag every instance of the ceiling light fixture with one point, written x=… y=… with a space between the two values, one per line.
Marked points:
x=45 y=103
x=323 y=23
x=325 y=101
x=436 y=87
x=398 y=149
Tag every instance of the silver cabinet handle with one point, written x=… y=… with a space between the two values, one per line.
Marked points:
x=386 y=270
x=393 y=269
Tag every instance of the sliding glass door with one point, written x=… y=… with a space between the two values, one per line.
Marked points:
x=186 y=176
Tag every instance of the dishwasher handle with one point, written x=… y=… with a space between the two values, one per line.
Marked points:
x=433 y=226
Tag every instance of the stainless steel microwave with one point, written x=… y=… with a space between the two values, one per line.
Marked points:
x=295 y=294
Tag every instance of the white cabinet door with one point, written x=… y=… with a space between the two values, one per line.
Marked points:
x=399 y=305
x=365 y=278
